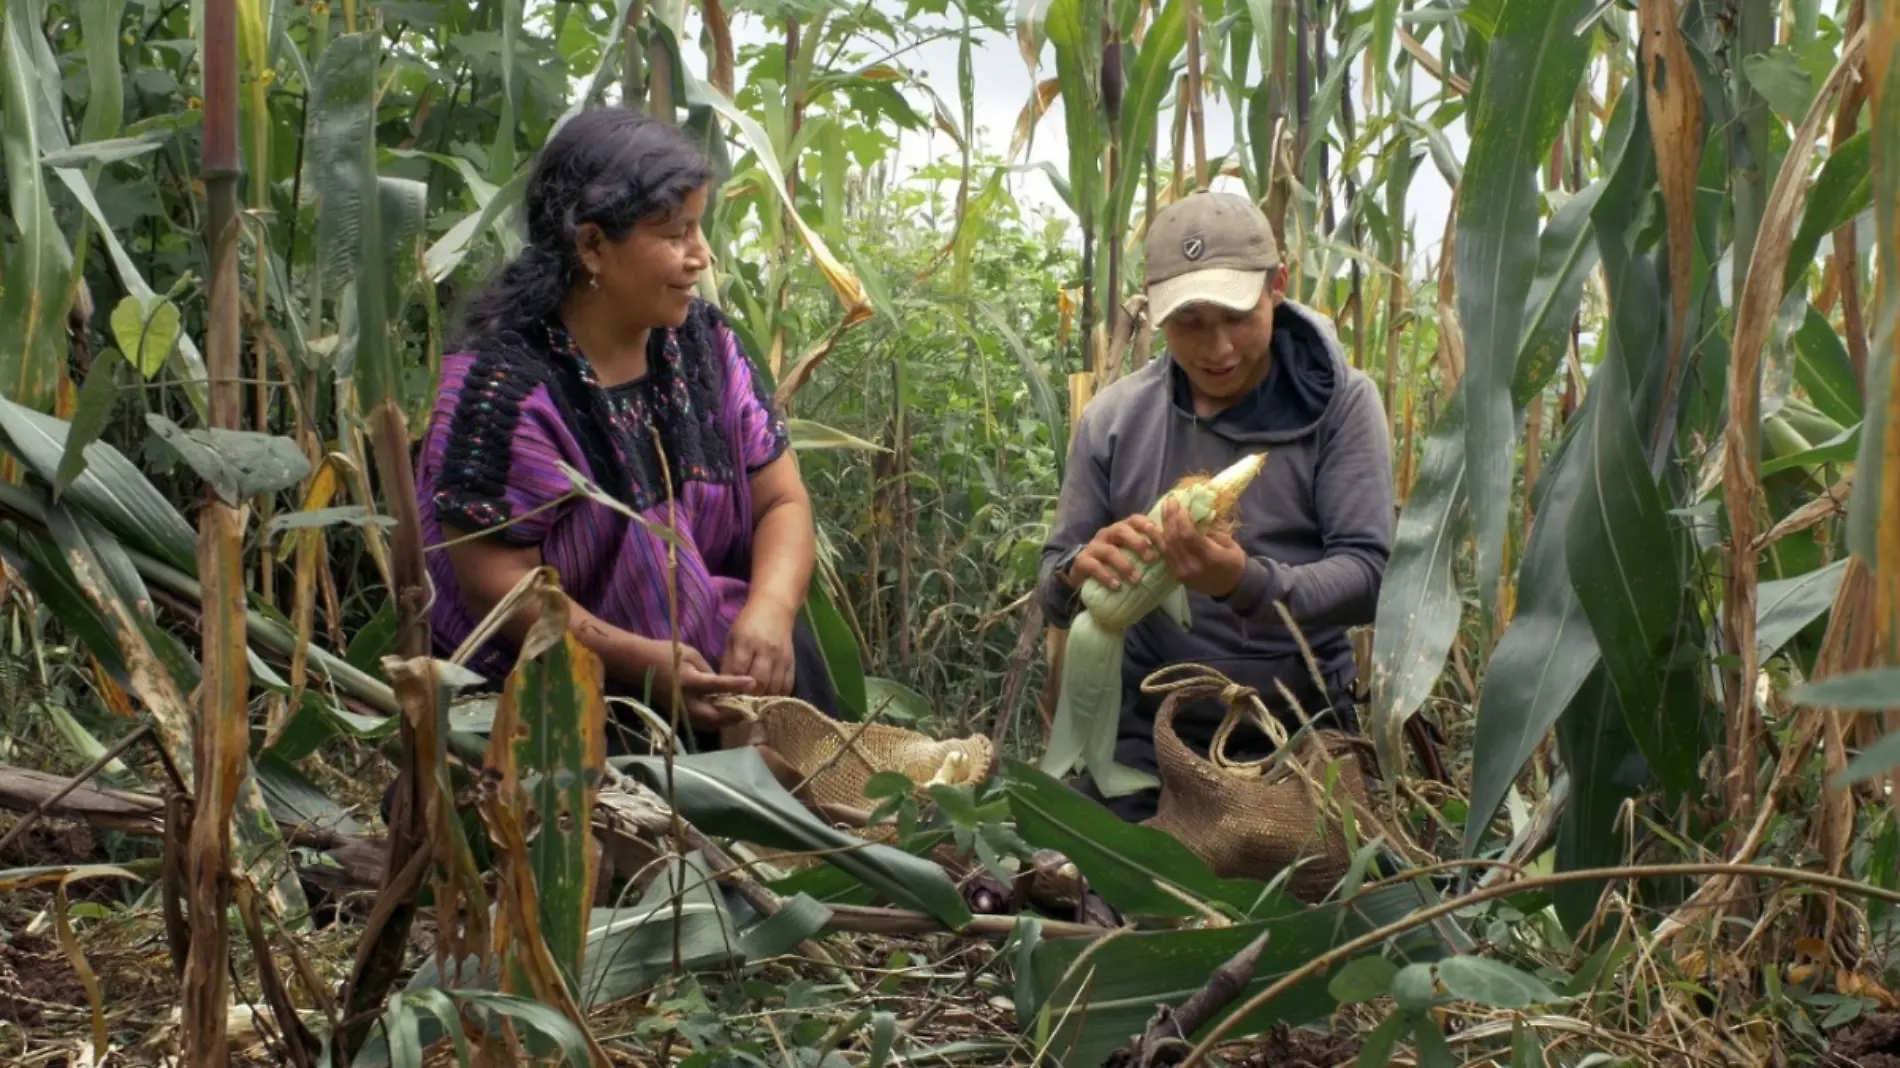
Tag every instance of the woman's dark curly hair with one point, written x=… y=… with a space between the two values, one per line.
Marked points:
x=608 y=166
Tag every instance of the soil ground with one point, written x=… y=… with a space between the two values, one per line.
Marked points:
x=1873 y=1042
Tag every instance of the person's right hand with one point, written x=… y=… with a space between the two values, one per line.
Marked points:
x=698 y=684
x=1110 y=557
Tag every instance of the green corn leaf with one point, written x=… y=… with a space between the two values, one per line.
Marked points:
x=1150 y=85
x=1419 y=605
x=1495 y=984
x=1607 y=770
x=1624 y=570
x=38 y=268
x=731 y=792
x=1865 y=691
x=192 y=372
x=1843 y=190
x=98 y=398
x=1566 y=255
x=1545 y=655
x=1532 y=68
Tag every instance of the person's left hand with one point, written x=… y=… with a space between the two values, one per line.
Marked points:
x=760 y=646
x=1207 y=564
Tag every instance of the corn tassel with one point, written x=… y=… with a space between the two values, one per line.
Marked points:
x=1088 y=707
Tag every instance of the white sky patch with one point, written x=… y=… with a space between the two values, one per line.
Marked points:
x=1002 y=84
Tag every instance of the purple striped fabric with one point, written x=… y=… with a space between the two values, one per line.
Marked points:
x=491 y=458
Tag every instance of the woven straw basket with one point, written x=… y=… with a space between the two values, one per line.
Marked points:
x=1255 y=819
x=832 y=761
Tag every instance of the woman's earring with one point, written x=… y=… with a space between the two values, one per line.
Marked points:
x=593 y=280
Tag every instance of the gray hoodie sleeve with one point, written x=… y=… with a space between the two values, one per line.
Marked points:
x=1082 y=509
x=1352 y=488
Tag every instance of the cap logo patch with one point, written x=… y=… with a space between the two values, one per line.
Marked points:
x=1193 y=248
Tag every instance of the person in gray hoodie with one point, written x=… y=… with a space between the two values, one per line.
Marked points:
x=1246 y=370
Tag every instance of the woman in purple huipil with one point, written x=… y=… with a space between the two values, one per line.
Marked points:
x=590 y=350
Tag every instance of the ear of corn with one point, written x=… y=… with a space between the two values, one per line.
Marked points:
x=1088 y=708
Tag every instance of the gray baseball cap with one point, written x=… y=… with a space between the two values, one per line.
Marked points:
x=1216 y=248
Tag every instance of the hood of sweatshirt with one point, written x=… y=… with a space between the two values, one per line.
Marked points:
x=1303 y=381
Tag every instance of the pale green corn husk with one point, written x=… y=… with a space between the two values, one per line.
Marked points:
x=1088 y=708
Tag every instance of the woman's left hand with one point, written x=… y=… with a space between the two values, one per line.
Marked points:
x=760 y=646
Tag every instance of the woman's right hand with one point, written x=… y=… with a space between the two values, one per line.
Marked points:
x=698 y=683
x=1106 y=557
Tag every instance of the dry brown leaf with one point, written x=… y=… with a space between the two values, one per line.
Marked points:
x=1741 y=486
x=1676 y=125
x=1033 y=108
x=1886 y=567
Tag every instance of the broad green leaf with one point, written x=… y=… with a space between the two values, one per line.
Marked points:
x=850 y=291
x=1325 y=100
x=1607 y=770
x=1150 y=84
x=1419 y=606
x=1623 y=568
x=99 y=24
x=1493 y=983
x=1096 y=1004
x=1782 y=81
x=1433 y=1050
x=448 y=251
x=193 y=374
x=296 y=801
x=238 y=464
x=1385 y=19
x=1566 y=255
x=342 y=137
x=799 y=917
x=148 y=331
x=51 y=579
x=1363 y=979
x=1527 y=1050
x=1843 y=190
x=1138 y=870
x=1784 y=607
x=1484 y=15
x=1545 y=654
x=545 y=1021
x=554 y=698
x=1877 y=759
x=114 y=150
x=1048 y=409
x=1413 y=988
x=731 y=792
x=891 y=701
x=447 y=1016
x=1842 y=448
x=98 y=397
x=111 y=489
x=1532 y=68
x=1377 y=1050
x=1863 y=691
x=883 y=1036
x=38 y=267
x=630 y=949
x=1073 y=28
x=808 y=436
x=352 y=515
x=840 y=648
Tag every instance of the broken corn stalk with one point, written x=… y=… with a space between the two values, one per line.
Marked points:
x=1088 y=708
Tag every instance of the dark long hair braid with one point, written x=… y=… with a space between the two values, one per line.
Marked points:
x=609 y=166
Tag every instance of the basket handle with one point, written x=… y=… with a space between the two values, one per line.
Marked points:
x=1195 y=682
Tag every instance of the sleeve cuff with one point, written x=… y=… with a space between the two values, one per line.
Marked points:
x=1260 y=585
x=1060 y=604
